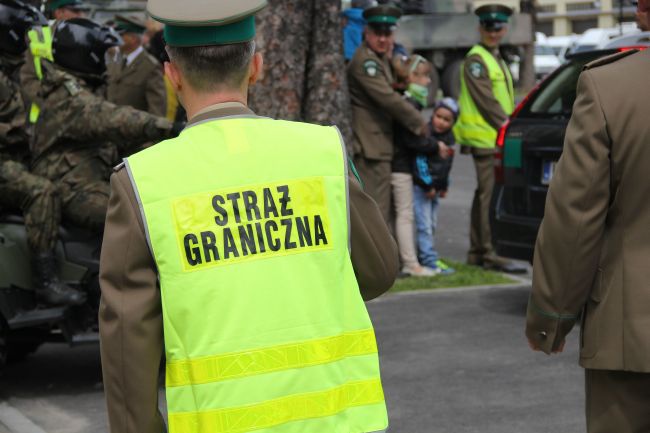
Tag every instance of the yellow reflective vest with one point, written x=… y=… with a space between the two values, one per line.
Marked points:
x=264 y=324
x=472 y=129
x=40 y=45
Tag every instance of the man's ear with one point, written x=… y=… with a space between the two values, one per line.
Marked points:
x=256 y=69
x=174 y=76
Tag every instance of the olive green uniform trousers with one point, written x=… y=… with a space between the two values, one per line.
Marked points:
x=481 y=249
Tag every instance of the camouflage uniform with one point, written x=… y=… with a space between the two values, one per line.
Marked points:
x=36 y=196
x=76 y=140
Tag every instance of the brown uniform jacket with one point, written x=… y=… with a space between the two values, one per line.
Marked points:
x=593 y=247
x=139 y=85
x=375 y=105
x=130 y=315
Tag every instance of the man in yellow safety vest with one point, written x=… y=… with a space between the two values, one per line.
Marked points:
x=486 y=101
x=244 y=249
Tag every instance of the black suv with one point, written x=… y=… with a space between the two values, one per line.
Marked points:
x=529 y=146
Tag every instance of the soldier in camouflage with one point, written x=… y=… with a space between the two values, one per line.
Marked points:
x=37 y=197
x=78 y=133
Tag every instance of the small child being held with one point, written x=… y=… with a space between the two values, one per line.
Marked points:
x=431 y=181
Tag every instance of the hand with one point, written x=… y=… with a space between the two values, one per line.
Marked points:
x=443 y=150
x=442 y=194
x=535 y=347
x=431 y=194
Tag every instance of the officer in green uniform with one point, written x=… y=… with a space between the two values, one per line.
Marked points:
x=40 y=49
x=486 y=101
x=248 y=243
x=136 y=78
x=376 y=105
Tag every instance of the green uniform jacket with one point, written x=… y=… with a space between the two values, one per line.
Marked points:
x=13 y=119
x=375 y=106
x=593 y=246
x=76 y=125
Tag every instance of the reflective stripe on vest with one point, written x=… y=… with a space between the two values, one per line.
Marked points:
x=40 y=45
x=472 y=129
x=265 y=328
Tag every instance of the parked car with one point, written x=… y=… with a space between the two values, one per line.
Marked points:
x=634 y=40
x=594 y=39
x=562 y=45
x=546 y=61
x=528 y=148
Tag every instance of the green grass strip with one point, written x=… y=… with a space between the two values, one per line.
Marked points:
x=466 y=275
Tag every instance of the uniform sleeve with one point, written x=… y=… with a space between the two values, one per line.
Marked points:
x=122 y=125
x=479 y=86
x=374 y=251
x=130 y=317
x=381 y=92
x=29 y=82
x=12 y=113
x=570 y=237
x=156 y=93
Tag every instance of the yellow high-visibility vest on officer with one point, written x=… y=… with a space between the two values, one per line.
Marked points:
x=40 y=49
x=246 y=224
x=486 y=101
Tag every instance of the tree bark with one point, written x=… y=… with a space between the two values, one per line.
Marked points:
x=304 y=70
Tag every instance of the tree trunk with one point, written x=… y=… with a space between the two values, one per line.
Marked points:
x=304 y=70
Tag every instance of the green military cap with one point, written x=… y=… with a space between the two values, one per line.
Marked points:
x=383 y=16
x=191 y=23
x=493 y=16
x=129 y=24
x=53 y=5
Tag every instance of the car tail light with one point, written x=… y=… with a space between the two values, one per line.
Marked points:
x=501 y=137
x=637 y=47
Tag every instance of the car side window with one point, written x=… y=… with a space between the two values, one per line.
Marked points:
x=557 y=97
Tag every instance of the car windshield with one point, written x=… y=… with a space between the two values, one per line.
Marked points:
x=555 y=99
x=544 y=50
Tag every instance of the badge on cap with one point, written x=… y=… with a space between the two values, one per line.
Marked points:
x=371 y=68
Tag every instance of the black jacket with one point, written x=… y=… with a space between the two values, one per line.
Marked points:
x=430 y=171
x=407 y=144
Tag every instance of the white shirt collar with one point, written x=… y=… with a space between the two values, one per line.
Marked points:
x=131 y=57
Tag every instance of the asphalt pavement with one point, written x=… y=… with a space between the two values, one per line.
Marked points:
x=452 y=360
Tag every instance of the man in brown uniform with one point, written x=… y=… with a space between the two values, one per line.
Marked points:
x=35 y=196
x=480 y=103
x=77 y=131
x=136 y=79
x=131 y=317
x=376 y=105
x=594 y=244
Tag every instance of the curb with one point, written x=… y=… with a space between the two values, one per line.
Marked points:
x=520 y=285
x=13 y=421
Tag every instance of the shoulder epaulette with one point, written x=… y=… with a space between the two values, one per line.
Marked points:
x=72 y=87
x=118 y=167
x=609 y=59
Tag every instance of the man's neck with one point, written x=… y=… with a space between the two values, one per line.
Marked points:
x=198 y=102
x=128 y=50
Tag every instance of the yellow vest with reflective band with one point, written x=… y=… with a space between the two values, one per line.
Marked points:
x=40 y=45
x=265 y=328
x=472 y=129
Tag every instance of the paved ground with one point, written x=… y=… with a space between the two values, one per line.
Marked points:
x=452 y=361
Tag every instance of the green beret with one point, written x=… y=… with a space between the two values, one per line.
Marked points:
x=193 y=23
x=130 y=24
x=53 y=5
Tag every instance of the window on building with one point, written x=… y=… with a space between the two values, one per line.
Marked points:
x=581 y=26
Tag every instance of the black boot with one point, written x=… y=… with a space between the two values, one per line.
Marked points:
x=49 y=288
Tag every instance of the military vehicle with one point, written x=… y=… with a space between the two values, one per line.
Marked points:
x=25 y=324
x=443 y=31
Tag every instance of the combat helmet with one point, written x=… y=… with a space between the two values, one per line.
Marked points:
x=16 y=18
x=79 y=45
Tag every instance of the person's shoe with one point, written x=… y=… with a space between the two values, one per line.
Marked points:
x=444 y=268
x=474 y=260
x=420 y=271
x=501 y=264
x=49 y=288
